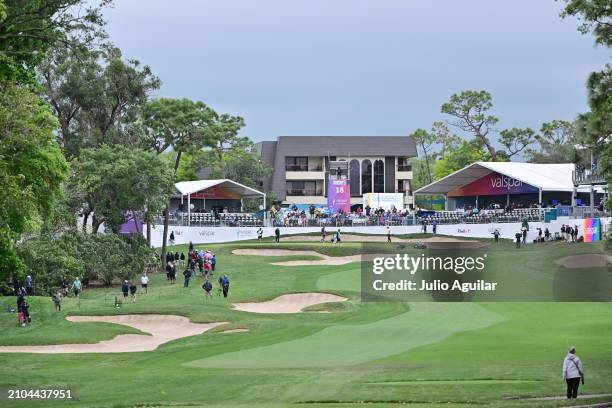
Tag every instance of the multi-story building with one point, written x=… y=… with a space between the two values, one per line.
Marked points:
x=378 y=164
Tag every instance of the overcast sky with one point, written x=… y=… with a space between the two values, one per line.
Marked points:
x=350 y=67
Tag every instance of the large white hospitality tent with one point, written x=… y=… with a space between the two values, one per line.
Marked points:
x=221 y=192
x=481 y=183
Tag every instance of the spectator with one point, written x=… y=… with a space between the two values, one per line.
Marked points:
x=125 y=289
x=573 y=373
x=133 y=291
x=144 y=283
x=29 y=285
x=76 y=285
x=187 y=275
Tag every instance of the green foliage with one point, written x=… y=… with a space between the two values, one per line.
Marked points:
x=96 y=95
x=594 y=16
x=555 y=143
x=32 y=169
x=466 y=153
x=516 y=140
x=116 y=181
x=29 y=27
x=104 y=258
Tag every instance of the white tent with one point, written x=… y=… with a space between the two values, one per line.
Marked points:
x=187 y=188
x=545 y=177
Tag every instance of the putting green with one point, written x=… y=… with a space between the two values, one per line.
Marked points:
x=343 y=345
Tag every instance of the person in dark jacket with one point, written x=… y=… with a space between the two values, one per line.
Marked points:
x=190 y=246
x=187 y=274
x=182 y=258
x=133 y=292
x=277 y=235
x=125 y=288
x=518 y=236
x=225 y=283
x=207 y=286
x=213 y=261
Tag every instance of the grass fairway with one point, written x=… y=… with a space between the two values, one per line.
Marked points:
x=385 y=353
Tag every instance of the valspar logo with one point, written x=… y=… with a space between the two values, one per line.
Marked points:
x=505 y=182
x=244 y=233
x=207 y=233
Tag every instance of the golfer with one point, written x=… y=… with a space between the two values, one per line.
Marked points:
x=496 y=235
x=572 y=373
x=388 y=234
x=323 y=233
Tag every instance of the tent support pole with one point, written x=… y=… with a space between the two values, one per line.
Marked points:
x=189 y=209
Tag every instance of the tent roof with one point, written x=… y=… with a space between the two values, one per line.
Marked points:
x=190 y=187
x=548 y=177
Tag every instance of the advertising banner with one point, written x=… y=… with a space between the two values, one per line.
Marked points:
x=384 y=200
x=493 y=184
x=591 y=228
x=339 y=195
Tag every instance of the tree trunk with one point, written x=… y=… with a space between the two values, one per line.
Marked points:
x=149 y=234
x=165 y=238
x=95 y=225
x=167 y=214
x=85 y=219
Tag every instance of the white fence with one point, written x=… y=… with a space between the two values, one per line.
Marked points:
x=197 y=235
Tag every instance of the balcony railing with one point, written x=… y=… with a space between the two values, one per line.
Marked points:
x=303 y=167
x=304 y=192
x=587 y=177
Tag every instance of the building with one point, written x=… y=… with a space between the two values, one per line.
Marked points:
x=375 y=164
x=505 y=183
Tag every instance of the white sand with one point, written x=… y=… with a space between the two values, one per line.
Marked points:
x=162 y=329
x=235 y=331
x=585 y=261
x=289 y=303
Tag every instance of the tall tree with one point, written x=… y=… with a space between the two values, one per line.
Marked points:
x=29 y=27
x=182 y=125
x=471 y=110
x=595 y=16
x=96 y=94
x=555 y=143
x=32 y=169
x=116 y=181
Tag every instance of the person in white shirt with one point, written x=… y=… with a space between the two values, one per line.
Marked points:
x=572 y=373
x=144 y=283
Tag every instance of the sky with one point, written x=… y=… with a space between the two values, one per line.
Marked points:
x=353 y=67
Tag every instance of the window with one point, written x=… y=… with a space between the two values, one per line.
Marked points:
x=379 y=176
x=366 y=176
x=304 y=188
x=354 y=176
x=403 y=164
x=296 y=163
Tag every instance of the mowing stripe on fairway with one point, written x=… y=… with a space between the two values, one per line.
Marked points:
x=344 y=345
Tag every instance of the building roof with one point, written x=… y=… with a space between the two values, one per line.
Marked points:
x=191 y=187
x=548 y=177
x=346 y=146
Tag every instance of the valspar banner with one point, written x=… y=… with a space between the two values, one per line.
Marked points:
x=384 y=200
x=494 y=184
x=591 y=228
x=339 y=195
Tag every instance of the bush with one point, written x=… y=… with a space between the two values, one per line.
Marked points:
x=104 y=258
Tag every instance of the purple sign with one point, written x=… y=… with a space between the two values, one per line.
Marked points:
x=339 y=195
x=131 y=225
x=493 y=184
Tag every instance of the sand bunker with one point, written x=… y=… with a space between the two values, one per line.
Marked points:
x=324 y=260
x=585 y=261
x=162 y=329
x=290 y=303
